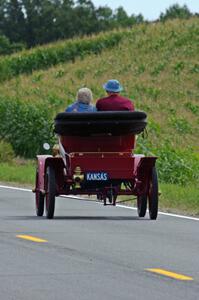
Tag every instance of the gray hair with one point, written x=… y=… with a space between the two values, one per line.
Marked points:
x=84 y=95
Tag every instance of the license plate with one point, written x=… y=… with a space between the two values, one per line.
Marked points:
x=96 y=176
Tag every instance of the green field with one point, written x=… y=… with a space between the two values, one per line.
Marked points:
x=158 y=65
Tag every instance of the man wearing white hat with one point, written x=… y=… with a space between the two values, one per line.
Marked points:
x=114 y=101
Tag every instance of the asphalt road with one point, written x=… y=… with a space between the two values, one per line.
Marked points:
x=92 y=252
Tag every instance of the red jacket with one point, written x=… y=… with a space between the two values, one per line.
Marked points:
x=114 y=102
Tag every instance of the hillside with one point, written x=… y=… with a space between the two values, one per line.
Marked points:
x=158 y=65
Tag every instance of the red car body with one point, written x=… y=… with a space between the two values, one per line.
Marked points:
x=96 y=157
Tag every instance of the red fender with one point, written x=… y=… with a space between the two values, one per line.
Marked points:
x=43 y=161
x=142 y=170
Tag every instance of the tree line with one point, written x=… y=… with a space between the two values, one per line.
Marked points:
x=27 y=23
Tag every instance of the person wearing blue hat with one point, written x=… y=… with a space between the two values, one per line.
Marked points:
x=114 y=101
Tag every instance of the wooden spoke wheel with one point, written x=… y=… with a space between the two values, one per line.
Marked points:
x=50 y=186
x=141 y=205
x=39 y=198
x=153 y=195
x=110 y=198
x=99 y=197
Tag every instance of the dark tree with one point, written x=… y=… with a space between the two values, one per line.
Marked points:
x=176 y=11
x=121 y=17
x=64 y=20
x=104 y=15
x=36 y=22
x=13 y=20
x=85 y=17
x=40 y=21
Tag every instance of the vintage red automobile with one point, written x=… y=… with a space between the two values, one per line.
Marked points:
x=96 y=157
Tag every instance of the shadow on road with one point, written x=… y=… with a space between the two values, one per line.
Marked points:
x=77 y=218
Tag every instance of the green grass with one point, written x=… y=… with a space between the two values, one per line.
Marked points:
x=179 y=199
x=18 y=172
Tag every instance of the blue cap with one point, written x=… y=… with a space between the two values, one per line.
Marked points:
x=113 y=85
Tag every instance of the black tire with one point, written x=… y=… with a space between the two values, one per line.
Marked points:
x=153 y=195
x=50 y=185
x=39 y=199
x=99 y=197
x=141 y=205
x=110 y=197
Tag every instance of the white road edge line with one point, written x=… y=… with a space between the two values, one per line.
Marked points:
x=14 y=188
x=118 y=205
x=164 y=214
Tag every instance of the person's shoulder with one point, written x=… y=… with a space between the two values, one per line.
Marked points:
x=124 y=98
x=129 y=104
x=71 y=107
x=101 y=100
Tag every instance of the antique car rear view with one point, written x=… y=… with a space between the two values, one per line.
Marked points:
x=96 y=157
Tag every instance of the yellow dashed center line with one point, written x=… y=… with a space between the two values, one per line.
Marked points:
x=31 y=238
x=170 y=274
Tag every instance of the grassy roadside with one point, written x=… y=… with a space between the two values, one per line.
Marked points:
x=18 y=172
x=174 y=198
x=180 y=199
